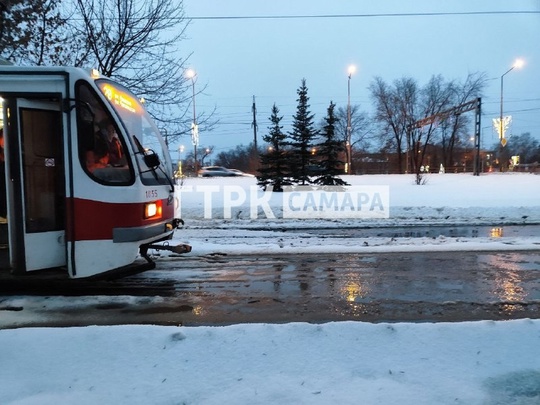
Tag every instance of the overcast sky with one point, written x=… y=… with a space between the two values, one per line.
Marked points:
x=238 y=58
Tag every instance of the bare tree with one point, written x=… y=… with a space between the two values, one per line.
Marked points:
x=52 y=41
x=400 y=107
x=361 y=131
x=394 y=111
x=17 y=20
x=453 y=130
x=39 y=32
x=435 y=98
x=135 y=42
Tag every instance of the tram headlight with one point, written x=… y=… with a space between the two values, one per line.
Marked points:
x=153 y=210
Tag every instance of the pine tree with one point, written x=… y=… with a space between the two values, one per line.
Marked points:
x=274 y=167
x=329 y=150
x=301 y=138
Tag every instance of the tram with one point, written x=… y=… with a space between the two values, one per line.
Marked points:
x=86 y=178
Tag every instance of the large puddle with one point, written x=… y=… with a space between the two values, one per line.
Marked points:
x=434 y=231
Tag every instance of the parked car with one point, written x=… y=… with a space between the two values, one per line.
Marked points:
x=216 y=171
x=241 y=173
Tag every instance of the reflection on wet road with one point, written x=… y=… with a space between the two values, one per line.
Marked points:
x=414 y=286
x=220 y=290
x=431 y=231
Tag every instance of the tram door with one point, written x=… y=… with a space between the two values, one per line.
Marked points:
x=38 y=206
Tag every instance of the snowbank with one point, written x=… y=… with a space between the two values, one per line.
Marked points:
x=347 y=363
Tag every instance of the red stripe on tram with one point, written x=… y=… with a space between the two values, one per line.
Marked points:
x=95 y=220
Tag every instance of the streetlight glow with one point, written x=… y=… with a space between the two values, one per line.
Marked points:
x=180 y=151
x=351 y=70
x=518 y=64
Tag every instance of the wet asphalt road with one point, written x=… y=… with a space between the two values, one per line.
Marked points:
x=433 y=286
x=221 y=290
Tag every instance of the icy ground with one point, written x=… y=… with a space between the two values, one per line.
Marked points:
x=484 y=363
x=450 y=199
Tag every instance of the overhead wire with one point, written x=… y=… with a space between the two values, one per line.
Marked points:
x=367 y=15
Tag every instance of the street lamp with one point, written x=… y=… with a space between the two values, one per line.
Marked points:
x=180 y=151
x=504 y=122
x=350 y=71
x=191 y=74
x=206 y=153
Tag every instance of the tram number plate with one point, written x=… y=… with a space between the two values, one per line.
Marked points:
x=151 y=194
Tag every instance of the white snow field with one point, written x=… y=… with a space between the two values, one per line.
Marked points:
x=482 y=362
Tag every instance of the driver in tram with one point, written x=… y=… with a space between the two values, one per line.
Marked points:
x=108 y=133
x=106 y=160
x=99 y=157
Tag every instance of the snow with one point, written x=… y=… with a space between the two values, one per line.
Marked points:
x=492 y=200
x=484 y=362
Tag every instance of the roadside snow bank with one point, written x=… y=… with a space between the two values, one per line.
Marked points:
x=472 y=363
x=495 y=199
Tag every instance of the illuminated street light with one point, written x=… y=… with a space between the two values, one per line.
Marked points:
x=350 y=71
x=207 y=151
x=191 y=74
x=502 y=125
x=180 y=151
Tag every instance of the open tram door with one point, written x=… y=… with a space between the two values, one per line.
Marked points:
x=32 y=183
x=35 y=187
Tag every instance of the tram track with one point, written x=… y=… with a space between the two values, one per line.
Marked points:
x=73 y=287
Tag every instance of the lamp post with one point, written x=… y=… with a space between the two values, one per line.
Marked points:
x=206 y=153
x=191 y=74
x=350 y=71
x=502 y=124
x=180 y=151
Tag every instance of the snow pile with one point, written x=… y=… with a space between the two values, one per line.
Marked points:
x=495 y=199
x=349 y=362
x=446 y=198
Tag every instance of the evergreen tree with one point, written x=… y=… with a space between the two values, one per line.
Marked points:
x=301 y=138
x=329 y=150
x=274 y=166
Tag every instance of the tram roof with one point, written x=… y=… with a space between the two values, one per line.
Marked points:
x=86 y=72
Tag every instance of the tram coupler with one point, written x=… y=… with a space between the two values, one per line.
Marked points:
x=177 y=223
x=178 y=249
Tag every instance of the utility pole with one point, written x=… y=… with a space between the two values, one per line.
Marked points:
x=254 y=124
x=191 y=74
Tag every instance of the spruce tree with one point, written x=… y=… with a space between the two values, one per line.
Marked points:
x=274 y=167
x=301 y=138
x=329 y=150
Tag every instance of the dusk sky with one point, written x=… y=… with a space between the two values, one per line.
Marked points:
x=238 y=58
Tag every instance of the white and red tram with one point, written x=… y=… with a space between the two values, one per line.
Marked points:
x=87 y=176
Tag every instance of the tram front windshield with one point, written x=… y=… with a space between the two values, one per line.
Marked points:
x=141 y=129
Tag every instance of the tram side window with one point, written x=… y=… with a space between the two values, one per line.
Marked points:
x=101 y=150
